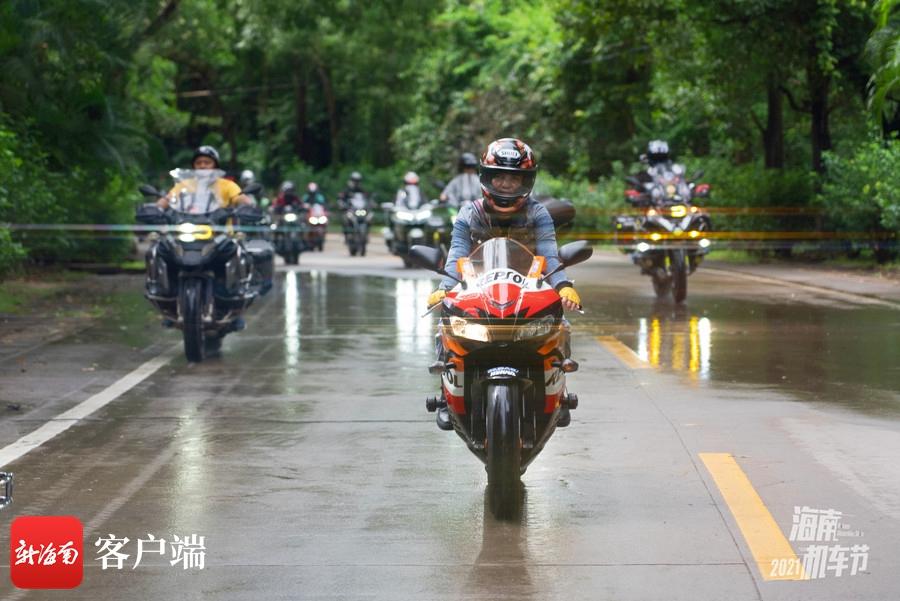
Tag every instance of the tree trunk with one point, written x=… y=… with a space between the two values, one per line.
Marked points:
x=299 y=115
x=773 y=135
x=820 y=135
x=331 y=106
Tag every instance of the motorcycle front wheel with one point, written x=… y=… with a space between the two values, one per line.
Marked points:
x=504 y=449
x=679 y=276
x=192 y=298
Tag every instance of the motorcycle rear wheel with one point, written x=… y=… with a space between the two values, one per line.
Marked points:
x=192 y=298
x=504 y=449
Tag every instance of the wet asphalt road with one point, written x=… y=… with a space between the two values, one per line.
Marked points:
x=306 y=459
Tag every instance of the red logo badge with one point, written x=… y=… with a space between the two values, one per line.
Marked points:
x=46 y=552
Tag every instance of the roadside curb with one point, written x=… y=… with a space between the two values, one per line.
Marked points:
x=868 y=298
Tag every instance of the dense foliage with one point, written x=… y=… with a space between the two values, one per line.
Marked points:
x=786 y=103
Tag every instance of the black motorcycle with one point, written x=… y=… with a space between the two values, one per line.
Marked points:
x=415 y=222
x=668 y=239
x=201 y=273
x=357 y=219
x=290 y=231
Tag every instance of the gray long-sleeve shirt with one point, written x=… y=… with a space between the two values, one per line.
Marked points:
x=533 y=228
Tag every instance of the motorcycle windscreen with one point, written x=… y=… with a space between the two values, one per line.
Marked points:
x=196 y=191
x=358 y=201
x=413 y=197
x=500 y=254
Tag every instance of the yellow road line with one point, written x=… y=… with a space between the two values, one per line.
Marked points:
x=765 y=539
x=622 y=352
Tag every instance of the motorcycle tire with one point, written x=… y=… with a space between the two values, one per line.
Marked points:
x=504 y=449
x=362 y=249
x=353 y=251
x=192 y=298
x=679 y=276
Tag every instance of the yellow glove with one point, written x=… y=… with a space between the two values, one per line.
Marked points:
x=569 y=294
x=436 y=297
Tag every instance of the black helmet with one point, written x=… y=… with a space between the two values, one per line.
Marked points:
x=657 y=151
x=507 y=155
x=467 y=160
x=206 y=151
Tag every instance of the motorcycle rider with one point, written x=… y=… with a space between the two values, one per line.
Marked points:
x=313 y=195
x=658 y=160
x=354 y=185
x=287 y=195
x=464 y=187
x=207 y=190
x=409 y=196
x=508 y=170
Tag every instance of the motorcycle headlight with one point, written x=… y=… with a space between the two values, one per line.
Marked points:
x=705 y=243
x=466 y=329
x=290 y=217
x=273 y=226
x=423 y=214
x=643 y=247
x=360 y=212
x=678 y=211
x=538 y=327
x=404 y=216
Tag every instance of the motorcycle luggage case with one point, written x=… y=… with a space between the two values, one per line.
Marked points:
x=263 y=256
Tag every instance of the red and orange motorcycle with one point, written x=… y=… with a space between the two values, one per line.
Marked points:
x=504 y=363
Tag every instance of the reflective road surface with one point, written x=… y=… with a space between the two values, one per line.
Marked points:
x=710 y=442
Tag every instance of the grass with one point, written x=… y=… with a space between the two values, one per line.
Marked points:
x=19 y=295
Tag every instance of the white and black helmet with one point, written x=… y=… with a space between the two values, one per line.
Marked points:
x=657 y=151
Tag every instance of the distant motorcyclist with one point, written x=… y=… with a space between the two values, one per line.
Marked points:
x=313 y=195
x=354 y=186
x=658 y=159
x=409 y=196
x=464 y=187
x=207 y=190
x=288 y=196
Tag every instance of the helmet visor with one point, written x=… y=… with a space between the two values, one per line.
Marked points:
x=506 y=184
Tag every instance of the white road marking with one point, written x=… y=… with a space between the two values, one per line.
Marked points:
x=67 y=419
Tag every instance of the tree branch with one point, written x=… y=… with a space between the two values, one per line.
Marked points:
x=758 y=123
x=164 y=16
x=804 y=108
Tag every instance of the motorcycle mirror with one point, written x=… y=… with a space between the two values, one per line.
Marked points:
x=148 y=190
x=439 y=184
x=575 y=252
x=387 y=206
x=697 y=175
x=149 y=213
x=428 y=257
x=254 y=188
